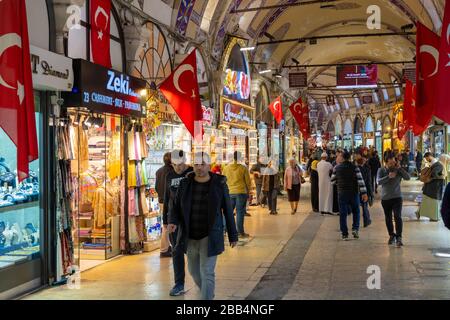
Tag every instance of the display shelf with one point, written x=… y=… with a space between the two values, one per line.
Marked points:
x=21 y=206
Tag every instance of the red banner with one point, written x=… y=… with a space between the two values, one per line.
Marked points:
x=409 y=107
x=181 y=90
x=16 y=87
x=100 y=13
x=300 y=111
x=443 y=97
x=277 y=109
x=427 y=76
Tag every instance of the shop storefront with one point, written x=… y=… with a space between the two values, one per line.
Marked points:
x=387 y=135
x=369 y=133
x=348 y=135
x=101 y=152
x=236 y=115
x=338 y=133
x=27 y=234
x=436 y=138
x=379 y=137
x=357 y=132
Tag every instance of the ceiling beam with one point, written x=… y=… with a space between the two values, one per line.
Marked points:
x=297 y=4
x=338 y=36
x=346 y=64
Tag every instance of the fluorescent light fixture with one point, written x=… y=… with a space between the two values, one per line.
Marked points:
x=442 y=255
x=358 y=87
x=265 y=71
x=248 y=48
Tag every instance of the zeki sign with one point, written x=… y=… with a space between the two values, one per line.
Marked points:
x=104 y=90
x=50 y=71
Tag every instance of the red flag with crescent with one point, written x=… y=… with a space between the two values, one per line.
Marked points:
x=277 y=109
x=16 y=86
x=427 y=59
x=300 y=111
x=100 y=13
x=409 y=108
x=443 y=97
x=181 y=90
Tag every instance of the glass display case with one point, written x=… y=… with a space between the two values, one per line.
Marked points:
x=19 y=206
x=98 y=175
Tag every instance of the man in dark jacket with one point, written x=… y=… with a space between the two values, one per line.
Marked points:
x=160 y=187
x=256 y=171
x=374 y=164
x=201 y=201
x=181 y=170
x=350 y=185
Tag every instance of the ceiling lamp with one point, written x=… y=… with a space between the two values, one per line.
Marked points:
x=265 y=71
x=248 y=48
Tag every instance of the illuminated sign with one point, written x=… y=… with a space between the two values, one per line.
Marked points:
x=236 y=85
x=236 y=114
x=357 y=76
x=103 y=90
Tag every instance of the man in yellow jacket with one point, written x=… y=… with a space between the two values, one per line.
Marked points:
x=238 y=180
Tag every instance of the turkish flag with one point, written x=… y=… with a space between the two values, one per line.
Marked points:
x=277 y=109
x=443 y=96
x=100 y=13
x=16 y=87
x=181 y=90
x=409 y=108
x=300 y=111
x=427 y=59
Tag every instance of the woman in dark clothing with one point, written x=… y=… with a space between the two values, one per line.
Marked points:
x=419 y=159
x=374 y=164
x=445 y=209
x=314 y=179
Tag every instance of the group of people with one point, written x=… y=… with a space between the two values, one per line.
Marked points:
x=198 y=205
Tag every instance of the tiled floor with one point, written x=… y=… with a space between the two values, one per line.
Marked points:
x=329 y=269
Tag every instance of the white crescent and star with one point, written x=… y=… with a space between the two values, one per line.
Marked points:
x=435 y=54
x=102 y=11
x=275 y=106
x=176 y=77
x=448 y=41
x=7 y=41
x=297 y=105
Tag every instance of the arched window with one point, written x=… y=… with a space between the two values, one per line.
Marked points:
x=369 y=125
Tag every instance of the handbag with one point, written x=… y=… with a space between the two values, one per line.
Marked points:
x=425 y=175
x=302 y=180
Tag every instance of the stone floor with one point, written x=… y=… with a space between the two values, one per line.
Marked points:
x=292 y=257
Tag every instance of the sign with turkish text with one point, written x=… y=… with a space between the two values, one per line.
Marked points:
x=410 y=74
x=236 y=114
x=104 y=90
x=357 y=76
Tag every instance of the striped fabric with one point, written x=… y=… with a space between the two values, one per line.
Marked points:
x=359 y=177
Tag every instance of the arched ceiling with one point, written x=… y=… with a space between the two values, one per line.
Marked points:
x=339 y=18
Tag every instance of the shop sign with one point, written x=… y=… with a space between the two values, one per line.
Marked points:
x=50 y=71
x=367 y=99
x=236 y=114
x=298 y=80
x=104 y=90
x=208 y=116
x=237 y=85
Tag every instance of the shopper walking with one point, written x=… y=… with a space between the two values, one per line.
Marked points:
x=367 y=176
x=181 y=170
x=271 y=186
x=293 y=176
x=256 y=171
x=324 y=170
x=374 y=164
x=160 y=187
x=434 y=182
x=338 y=161
x=418 y=159
x=314 y=180
x=202 y=200
x=238 y=181
x=350 y=185
x=389 y=178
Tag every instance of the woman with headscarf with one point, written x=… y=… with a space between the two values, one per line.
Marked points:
x=314 y=179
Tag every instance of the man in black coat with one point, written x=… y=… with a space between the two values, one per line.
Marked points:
x=160 y=187
x=201 y=202
x=445 y=208
x=374 y=164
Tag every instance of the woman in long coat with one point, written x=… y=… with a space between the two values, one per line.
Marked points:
x=314 y=179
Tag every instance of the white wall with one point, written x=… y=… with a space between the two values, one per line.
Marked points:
x=158 y=10
x=38 y=25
